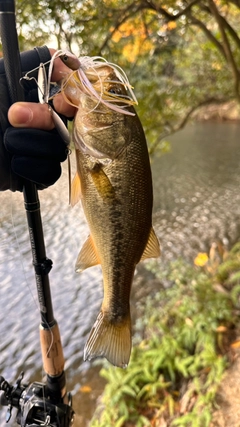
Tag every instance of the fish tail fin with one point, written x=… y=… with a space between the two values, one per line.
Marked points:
x=110 y=340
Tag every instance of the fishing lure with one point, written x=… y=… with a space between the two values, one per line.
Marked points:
x=44 y=93
x=85 y=71
x=89 y=80
x=85 y=76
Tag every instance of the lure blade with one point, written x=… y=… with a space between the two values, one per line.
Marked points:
x=42 y=85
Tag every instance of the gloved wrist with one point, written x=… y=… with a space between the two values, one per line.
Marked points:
x=35 y=154
x=27 y=153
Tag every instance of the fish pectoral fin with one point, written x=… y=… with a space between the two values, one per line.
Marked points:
x=152 y=248
x=75 y=190
x=110 y=340
x=102 y=182
x=87 y=256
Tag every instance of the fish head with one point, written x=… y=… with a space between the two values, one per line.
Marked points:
x=102 y=127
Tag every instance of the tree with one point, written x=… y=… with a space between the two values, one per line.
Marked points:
x=179 y=55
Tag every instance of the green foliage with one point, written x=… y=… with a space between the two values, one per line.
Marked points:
x=177 y=365
x=230 y=267
x=173 y=53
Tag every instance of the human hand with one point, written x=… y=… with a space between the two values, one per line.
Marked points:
x=33 y=147
x=36 y=115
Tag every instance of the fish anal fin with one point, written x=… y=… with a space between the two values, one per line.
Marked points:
x=75 y=190
x=87 y=256
x=110 y=340
x=152 y=248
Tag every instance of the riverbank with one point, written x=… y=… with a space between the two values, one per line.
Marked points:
x=184 y=364
x=229 y=111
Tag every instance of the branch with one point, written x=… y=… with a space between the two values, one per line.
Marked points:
x=231 y=31
x=122 y=17
x=226 y=24
x=133 y=8
x=208 y=33
x=226 y=46
x=166 y=14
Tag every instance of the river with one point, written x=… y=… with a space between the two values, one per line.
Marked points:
x=196 y=202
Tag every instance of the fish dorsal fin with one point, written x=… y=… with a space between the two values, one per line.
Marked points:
x=87 y=256
x=152 y=248
x=75 y=190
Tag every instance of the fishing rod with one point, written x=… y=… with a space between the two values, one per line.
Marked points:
x=45 y=404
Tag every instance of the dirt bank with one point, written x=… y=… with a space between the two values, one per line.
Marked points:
x=219 y=112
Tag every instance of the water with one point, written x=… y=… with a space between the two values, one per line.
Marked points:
x=196 y=188
x=196 y=202
x=76 y=298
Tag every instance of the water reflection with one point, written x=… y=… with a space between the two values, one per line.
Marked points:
x=196 y=189
x=76 y=298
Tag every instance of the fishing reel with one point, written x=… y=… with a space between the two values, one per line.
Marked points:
x=36 y=404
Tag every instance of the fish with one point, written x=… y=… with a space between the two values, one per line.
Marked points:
x=114 y=183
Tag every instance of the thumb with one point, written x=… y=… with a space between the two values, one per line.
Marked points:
x=30 y=115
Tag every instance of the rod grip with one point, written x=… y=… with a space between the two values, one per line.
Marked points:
x=52 y=352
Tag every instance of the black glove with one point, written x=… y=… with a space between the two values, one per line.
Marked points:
x=31 y=154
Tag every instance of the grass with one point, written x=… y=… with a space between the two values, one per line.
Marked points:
x=180 y=347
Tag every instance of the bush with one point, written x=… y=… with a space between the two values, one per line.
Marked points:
x=176 y=367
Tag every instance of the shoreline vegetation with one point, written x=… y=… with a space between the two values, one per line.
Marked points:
x=185 y=342
x=228 y=111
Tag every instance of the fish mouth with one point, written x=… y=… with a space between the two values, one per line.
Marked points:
x=103 y=82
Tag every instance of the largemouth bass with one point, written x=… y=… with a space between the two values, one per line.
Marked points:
x=114 y=183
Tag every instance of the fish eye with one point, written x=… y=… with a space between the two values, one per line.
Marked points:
x=115 y=90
